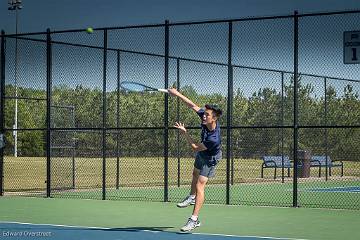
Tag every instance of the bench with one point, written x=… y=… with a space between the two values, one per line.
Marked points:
x=320 y=161
x=275 y=162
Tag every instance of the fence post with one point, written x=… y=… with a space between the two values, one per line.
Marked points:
x=296 y=102
x=104 y=117
x=282 y=126
x=178 y=120
x=118 y=123
x=326 y=130
x=2 y=105
x=229 y=113
x=48 y=111
x=166 y=116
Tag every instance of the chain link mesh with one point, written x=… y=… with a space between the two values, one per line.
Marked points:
x=26 y=173
x=25 y=90
x=106 y=143
x=329 y=100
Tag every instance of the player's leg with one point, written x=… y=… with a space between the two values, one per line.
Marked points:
x=190 y=199
x=206 y=171
x=193 y=222
x=195 y=177
x=200 y=194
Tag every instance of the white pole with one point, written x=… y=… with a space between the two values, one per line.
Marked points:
x=16 y=5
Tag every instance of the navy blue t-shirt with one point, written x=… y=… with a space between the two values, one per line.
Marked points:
x=211 y=139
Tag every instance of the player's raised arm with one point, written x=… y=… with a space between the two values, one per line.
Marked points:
x=196 y=147
x=188 y=102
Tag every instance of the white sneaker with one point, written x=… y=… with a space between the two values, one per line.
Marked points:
x=186 y=202
x=190 y=225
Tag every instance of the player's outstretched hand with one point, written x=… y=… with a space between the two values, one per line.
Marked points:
x=180 y=126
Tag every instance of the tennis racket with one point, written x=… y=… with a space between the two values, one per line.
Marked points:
x=138 y=87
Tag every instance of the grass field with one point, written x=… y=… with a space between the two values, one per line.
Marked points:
x=143 y=178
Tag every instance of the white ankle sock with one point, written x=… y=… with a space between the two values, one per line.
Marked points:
x=193 y=217
x=193 y=196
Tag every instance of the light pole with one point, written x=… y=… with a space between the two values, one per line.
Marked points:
x=15 y=5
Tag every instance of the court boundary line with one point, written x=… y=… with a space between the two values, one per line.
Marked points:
x=246 y=236
x=328 y=189
x=146 y=230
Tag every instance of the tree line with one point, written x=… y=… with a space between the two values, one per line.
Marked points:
x=140 y=117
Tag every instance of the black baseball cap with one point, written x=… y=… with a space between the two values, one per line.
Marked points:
x=215 y=108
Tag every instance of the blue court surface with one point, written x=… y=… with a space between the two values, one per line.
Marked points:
x=14 y=231
x=351 y=189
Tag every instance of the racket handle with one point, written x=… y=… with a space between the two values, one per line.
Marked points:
x=163 y=90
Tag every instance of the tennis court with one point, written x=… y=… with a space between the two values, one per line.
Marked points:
x=57 y=232
x=82 y=156
x=90 y=219
x=309 y=193
x=351 y=189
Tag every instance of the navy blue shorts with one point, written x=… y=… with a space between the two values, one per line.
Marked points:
x=207 y=164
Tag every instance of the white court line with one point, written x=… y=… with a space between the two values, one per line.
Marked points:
x=145 y=230
x=346 y=189
x=262 y=237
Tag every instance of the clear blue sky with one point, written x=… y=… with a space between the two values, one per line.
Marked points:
x=261 y=44
x=37 y=15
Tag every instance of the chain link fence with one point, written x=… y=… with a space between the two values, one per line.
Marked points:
x=290 y=128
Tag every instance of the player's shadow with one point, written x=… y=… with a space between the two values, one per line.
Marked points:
x=137 y=229
x=144 y=229
x=120 y=229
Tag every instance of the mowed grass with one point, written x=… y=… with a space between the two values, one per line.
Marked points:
x=29 y=173
x=143 y=179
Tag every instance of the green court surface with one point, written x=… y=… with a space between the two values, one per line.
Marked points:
x=325 y=194
x=272 y=222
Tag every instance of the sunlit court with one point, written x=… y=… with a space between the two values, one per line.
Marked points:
x=103 y=130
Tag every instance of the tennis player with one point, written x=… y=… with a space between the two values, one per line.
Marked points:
x=208 y=154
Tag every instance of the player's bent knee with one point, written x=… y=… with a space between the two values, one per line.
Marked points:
x=202 y=181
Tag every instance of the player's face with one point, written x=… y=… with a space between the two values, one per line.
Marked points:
x=208 y=117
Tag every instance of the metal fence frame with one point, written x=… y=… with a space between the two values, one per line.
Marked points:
x=229 y=127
